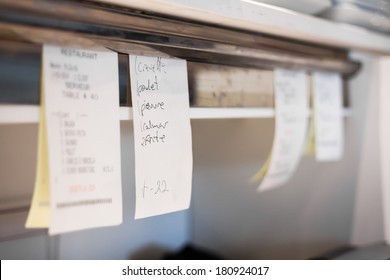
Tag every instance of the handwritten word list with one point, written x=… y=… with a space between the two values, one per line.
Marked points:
x=162 y=135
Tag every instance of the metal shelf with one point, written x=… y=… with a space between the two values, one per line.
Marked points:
x=119 y=28
x=262 y=18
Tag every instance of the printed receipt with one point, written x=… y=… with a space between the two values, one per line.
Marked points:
x=328 y=104
x=291 y=118
x=162 y=135
x=80 y=101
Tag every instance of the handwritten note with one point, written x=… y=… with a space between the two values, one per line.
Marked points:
x=291 y=117
x=327 y=101
x=162 y=135
x=81 y=107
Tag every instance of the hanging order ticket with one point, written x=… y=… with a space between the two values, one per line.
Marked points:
x=162 y=135
x=328 y=105
x=79 y=151
x=291 y=118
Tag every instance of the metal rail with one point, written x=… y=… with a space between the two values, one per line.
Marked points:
x=176 y=37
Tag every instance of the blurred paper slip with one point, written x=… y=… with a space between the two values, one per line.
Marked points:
x=291 y=110
x=328 y=104
x=309 y=150
x=81 y=107
x=162 y=135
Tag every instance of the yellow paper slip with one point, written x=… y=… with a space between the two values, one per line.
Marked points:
x=310 y=148
x=39 y=214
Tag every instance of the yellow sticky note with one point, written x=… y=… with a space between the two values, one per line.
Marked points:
x=39 y=214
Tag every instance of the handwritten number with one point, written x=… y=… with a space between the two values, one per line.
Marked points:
x=161 y=186
x=144 y=189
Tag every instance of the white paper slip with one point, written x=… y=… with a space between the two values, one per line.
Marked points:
x=162 y=135
x=291 y=109
x=81 y=102
x=328 y=116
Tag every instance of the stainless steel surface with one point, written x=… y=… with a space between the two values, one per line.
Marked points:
x=173 y=36
x=372 y=14
x=302 y=6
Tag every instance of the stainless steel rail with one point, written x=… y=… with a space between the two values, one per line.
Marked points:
x=175 y=36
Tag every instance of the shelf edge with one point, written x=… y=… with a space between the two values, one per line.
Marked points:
x=25 y=114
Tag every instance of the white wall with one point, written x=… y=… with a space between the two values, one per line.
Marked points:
x=368 y=214
x=384 y=124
